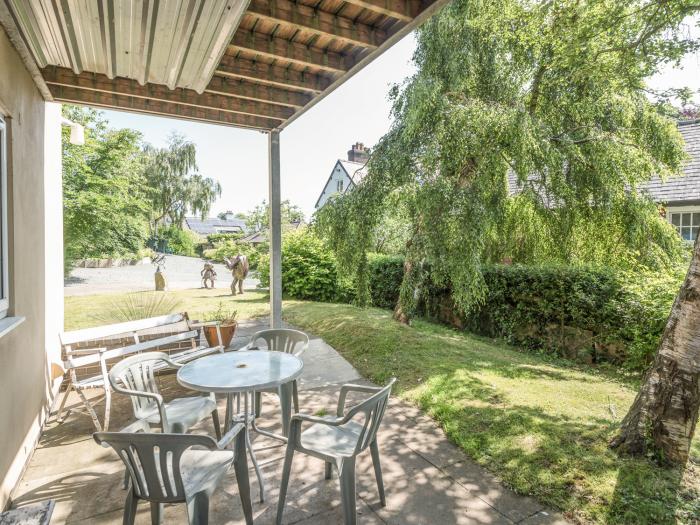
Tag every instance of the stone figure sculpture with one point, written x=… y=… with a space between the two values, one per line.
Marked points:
x=239 y=270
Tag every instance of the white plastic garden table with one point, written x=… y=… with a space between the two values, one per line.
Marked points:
x=241 y=373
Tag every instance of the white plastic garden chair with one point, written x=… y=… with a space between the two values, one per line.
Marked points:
x=279 y=340
x=164 y=468
x=337 y=441
x=134 y=377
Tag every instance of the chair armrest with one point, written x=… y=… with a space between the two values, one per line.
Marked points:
x=157 y=397
x=353 y=388
x=316 y=419
x=226 y=439
x=172 y=363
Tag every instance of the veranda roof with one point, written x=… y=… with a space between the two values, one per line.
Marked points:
x=248 y=63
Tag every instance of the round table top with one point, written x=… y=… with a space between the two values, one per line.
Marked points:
x=240 y=371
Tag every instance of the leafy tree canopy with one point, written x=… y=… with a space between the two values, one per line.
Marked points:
x=105 y=205
x=552 y=93
x=259 y=218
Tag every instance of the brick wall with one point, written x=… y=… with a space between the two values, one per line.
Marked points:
x=127 y=340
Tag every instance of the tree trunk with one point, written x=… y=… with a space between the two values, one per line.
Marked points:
x=663 y=416
x=400 y=314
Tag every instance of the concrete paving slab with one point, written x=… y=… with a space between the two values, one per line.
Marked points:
x=428 y=480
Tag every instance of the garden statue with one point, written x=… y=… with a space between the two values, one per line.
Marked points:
x=158 y=261
x=239 y=270
x=208 y=273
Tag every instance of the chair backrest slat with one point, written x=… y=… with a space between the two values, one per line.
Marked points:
x=138 y=373
x=153 y=461
x=282 y=340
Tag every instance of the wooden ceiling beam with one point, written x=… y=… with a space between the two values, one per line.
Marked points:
x=319 y=22
x=292 y=52
x=404 y=10
x=259 y=92
x=159 y=107
x=272 y=75
x=65 y=78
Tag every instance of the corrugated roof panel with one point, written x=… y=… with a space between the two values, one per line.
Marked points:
x=174 y=42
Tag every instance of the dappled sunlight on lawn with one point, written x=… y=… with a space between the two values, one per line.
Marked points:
x=540 y=423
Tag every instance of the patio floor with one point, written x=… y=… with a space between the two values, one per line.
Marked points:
x=428 y=480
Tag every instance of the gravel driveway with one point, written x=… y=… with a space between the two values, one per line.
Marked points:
x=181 y=272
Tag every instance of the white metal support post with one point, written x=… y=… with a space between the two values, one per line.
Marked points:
x=275 y=232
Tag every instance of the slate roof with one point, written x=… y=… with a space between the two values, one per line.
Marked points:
x=685 y=188
x=209 y=226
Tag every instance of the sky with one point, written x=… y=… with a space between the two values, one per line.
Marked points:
x=358 y=111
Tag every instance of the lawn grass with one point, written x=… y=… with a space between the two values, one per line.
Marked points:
x=541 y=424
x=93 y=310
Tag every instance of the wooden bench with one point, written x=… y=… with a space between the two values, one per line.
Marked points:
x=144 y=334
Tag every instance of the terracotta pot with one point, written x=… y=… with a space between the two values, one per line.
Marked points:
x=227 y=331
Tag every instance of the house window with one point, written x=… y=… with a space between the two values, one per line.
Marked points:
x=340 y=185
x=686 y=223
x=4 y=258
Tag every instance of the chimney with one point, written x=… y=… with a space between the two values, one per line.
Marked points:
x=358 y=153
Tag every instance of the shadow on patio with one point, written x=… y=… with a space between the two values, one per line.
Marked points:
x=428 y=480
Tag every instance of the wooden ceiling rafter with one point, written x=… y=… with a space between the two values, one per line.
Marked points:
x=159 y=107
x=290 y=51
x=94 y=82
x=272 y=75
x=314 y=20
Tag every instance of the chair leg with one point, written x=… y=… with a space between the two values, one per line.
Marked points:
x=258 y=404
x=130 y=508
x=90 y=409
x=156 y=513
x=285 y=393
x=374 y=449
x=240 y=466
x=286 y=471
x=217 y=425
x=59 y=416
x=347 y=491
x=295 y=396
x=198 y=509
x=108 y=407
x=329 y=470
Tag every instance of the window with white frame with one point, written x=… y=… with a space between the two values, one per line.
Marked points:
x=4 y=255
x=686 y=222
x=340 y=185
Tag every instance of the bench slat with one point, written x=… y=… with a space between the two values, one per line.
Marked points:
x=112 y=330
x=182 y=357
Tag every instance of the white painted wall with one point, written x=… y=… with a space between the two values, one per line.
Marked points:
x=29 y=354
x=337 y=175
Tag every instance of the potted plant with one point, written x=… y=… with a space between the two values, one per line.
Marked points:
x=225 y=319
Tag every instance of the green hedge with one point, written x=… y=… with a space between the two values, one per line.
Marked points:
x=592 y=315
x=385 y=276
x=309 y=270
x=588 y=314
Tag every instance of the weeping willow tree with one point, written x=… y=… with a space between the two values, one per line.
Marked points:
x=175 y=187
x=549 y=94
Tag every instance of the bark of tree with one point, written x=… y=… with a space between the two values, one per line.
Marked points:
x=663 y=416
